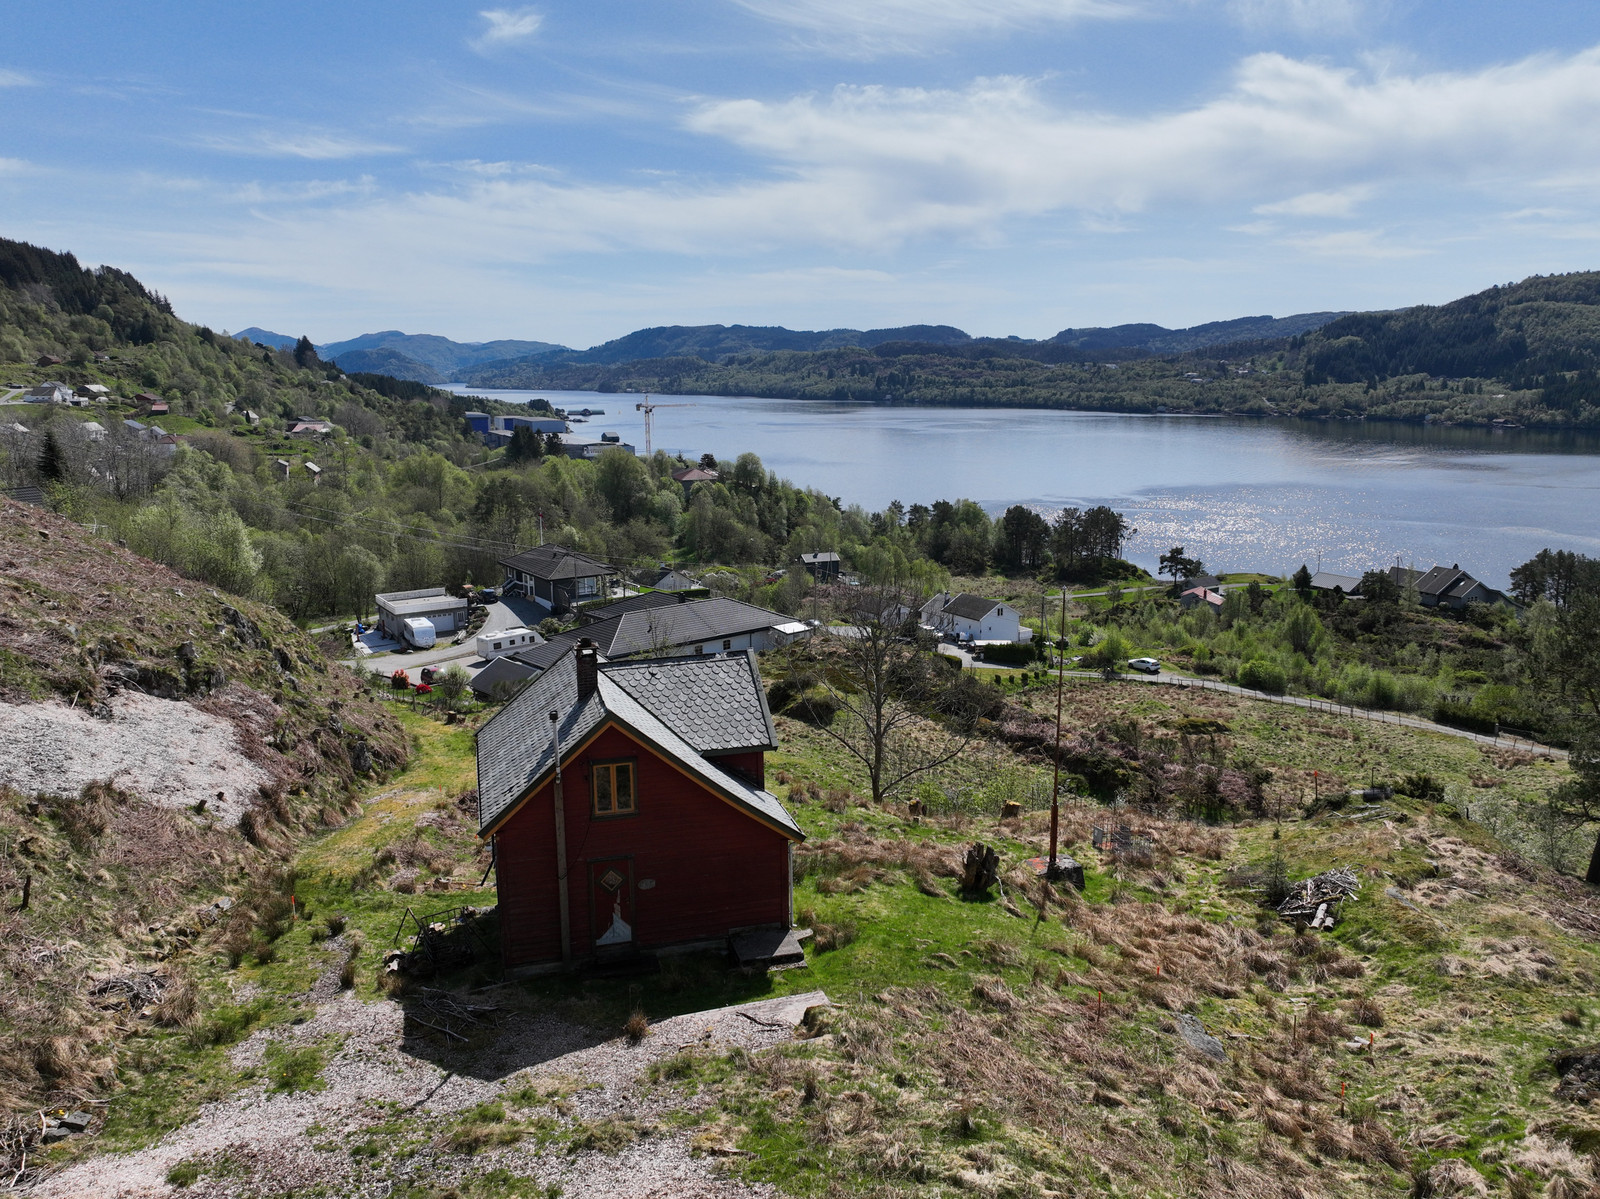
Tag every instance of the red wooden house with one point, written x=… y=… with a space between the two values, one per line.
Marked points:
x=627 y=806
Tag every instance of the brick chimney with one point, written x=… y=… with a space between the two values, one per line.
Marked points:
x=588 y=669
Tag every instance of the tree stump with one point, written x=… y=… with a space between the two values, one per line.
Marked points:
x=1010 y=810
x=914 y=808
x=981 y=870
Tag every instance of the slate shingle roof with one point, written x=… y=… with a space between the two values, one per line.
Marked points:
x=693 y=623
x=516 y=749
x=715 y=702
x=557 y=562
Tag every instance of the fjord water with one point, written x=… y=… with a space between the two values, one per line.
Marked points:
x=1240 y=493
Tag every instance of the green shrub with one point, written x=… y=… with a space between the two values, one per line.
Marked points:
x=1258 y=674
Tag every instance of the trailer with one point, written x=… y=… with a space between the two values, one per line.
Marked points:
x=506 y=641
x=419 y=632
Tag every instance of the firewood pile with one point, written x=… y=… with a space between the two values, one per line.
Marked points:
x=17 y=1137
x=443 y=1012
x=1316 y=899
x=130 y=992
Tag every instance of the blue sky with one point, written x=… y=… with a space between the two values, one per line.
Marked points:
x=571 y=171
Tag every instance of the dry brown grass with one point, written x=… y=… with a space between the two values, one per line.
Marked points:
x=637 y=1028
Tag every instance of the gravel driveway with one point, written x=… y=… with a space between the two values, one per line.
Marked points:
x=279 y=1143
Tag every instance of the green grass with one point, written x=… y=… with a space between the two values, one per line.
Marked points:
x=297 y=1068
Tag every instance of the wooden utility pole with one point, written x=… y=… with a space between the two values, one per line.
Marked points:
x=561 y=844
x=1053 y=868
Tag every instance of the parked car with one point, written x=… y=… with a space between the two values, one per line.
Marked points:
x=1147 y=665
x=488 y=594
x=427 y=674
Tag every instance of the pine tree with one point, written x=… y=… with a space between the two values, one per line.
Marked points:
x=525 y=445
x=52 y=462
x=305 y=354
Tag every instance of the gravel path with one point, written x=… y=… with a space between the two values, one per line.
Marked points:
x=167 y=751
x=280 y=1143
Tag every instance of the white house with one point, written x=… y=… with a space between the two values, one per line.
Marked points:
x=51 y=393
x=973 y=618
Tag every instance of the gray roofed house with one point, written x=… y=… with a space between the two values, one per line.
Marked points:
x=823 y=565
x=558 y=577
x=1327 y=581
x=974 y=618
x=674 y=580
x=510 y=671
x=1447 y=585
x=503 y=677
x=708 y=626
x=643 y=602
x=51 y=393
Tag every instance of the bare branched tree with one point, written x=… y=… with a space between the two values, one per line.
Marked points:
x=886 y=686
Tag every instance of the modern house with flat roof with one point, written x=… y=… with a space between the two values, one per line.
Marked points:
x=445 y=612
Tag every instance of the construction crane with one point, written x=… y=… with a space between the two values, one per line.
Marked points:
x=647 y=408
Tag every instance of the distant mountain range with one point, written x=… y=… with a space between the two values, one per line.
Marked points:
x=426 y=358
x=422 y=357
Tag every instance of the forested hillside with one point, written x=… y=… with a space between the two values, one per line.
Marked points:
x=1521 y=354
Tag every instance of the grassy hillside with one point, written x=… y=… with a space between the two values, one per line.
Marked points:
x=137 y=664
x=1161 y=1033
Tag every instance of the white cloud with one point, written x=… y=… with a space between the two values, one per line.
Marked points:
x=507 y=27
x=271 y=143
x=868 y=27
x=1305 y=17
x=15 y=79
x=860 y=171
x=1341 y=203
